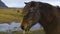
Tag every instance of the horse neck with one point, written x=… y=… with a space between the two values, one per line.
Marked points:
x=51 y=27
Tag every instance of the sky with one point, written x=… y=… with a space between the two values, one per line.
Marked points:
x=20 y=3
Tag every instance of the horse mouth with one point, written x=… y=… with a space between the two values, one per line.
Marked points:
x=25 y=29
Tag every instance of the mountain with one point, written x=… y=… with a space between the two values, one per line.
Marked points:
x=2 y=5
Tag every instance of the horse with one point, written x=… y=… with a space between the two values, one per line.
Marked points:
x=44 y=13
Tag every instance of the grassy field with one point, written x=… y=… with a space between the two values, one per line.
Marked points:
x=30 y=32
x=8 y=15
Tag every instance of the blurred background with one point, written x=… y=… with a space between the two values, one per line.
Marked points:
x=10 y=19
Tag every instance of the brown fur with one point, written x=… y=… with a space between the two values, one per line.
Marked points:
x=47 y=15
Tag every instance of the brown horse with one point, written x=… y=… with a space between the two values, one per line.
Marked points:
x=47 y=15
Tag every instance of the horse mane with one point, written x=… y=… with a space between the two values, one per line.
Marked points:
x=33 y=3
x=40 y=5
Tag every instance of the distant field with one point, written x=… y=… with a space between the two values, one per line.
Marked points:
x=10 y=14
x=30 y=32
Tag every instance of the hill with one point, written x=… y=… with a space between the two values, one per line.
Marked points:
x=2 y=5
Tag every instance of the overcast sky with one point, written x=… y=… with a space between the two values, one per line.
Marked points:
x=20 y=3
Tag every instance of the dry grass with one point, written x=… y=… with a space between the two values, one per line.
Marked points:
x=30 y=32
x=10 y=14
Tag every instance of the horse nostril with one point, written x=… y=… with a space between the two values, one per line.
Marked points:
x=22 y=27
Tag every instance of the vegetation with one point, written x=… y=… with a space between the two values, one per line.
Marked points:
x=30 y=32
x=8 y=15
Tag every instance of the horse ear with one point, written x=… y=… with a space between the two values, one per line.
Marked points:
x=25 y=2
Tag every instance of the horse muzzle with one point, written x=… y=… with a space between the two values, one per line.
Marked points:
x=25 y=28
